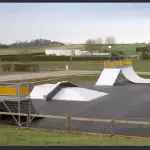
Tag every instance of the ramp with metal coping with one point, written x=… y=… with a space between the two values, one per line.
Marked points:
x=110 y=73
x=112 y=69
x=131 y=75
x=108 y=77
x=65 y=91
x=57 y=88
x=48 y=91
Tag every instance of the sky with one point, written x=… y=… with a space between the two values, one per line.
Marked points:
x=74 y=22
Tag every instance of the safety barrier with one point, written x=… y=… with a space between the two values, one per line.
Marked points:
x=126 y=63
x=14 y=89
x=116 y=64
x=112 y=64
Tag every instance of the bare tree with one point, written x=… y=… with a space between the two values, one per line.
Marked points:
x=99 y=43
x=90 y=41
x=89 y=45
x=23 y=53
x=93 y=45
x=99 y=40
x=110 y=40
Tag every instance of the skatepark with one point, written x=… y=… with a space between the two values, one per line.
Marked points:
x=127 y=101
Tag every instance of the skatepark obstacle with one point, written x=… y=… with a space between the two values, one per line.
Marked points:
x=65 y=91
x=14 y=98
x=112 y=71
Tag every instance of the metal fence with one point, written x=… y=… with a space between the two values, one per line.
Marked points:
x=69 y=120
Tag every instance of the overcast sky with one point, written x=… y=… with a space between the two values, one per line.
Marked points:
x=74 y=22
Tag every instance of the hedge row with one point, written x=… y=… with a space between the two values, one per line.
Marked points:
x=96 y=58
x=33 y=58
x=20 y=67
x=18 y=57
x=24 y=58
x=142 y=49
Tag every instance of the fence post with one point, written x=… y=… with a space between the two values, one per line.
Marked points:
x=112 y=127
x=68 y=123
x=28 y=121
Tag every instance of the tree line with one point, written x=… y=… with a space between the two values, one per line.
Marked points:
x=32 y=43
x=99 y=45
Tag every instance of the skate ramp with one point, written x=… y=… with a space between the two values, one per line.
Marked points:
x=108 y=77
x=131 y=75
x=77 y=94
x=39 y=91
x=111 y=72
x=64 y=91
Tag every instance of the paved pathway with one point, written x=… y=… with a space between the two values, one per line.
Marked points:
x=21 y=76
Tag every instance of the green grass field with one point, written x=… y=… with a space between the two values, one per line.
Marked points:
x=11 y=136
x=139 y=66
x=119 y=47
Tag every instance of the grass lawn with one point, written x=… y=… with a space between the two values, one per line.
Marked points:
x=11 y=136
x=139 y=65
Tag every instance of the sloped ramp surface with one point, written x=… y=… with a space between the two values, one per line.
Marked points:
x=48 y=91
x=39 y=91
x=77 y=94
x=131 y=75
x=57 y=88
x=64 y=91
x=108 y=77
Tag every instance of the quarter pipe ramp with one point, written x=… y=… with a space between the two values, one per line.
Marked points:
x=108 y=77
x=131 y=75
x=111 y=72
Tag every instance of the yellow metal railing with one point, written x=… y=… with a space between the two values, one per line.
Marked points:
x=126 y=63
x=14 y=89
x=116 y=64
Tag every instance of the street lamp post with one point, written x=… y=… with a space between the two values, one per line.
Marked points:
x=109 y=47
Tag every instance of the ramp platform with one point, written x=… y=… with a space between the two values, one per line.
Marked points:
x=112 y=70
x=64 y=90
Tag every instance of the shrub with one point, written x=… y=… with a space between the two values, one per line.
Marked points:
x=6 y=67
x=51 y=58
x=26 y=67
x=145 y=56
x=142 y=49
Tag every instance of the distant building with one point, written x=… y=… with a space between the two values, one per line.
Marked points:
x=71 y=52
x=63 y=52
x=68 y=43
